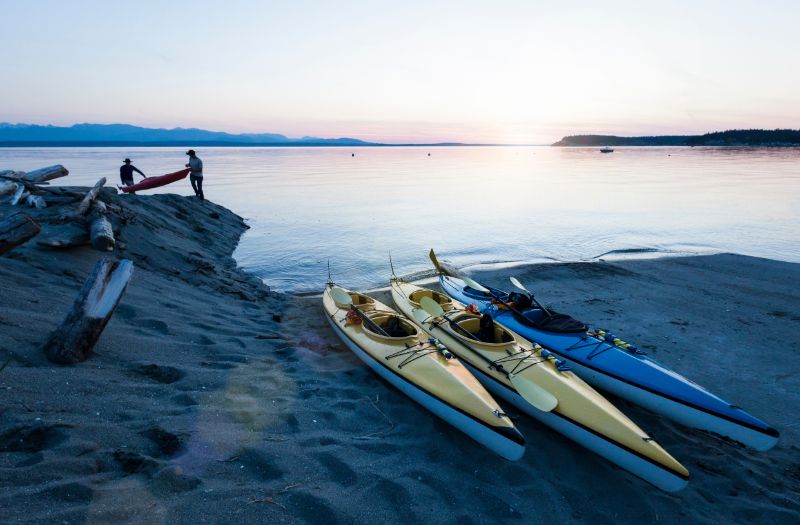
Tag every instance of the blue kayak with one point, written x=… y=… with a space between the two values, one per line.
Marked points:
x=610 y=364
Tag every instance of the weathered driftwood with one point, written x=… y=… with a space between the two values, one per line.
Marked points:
x=100 y=230
x=74 y=340
x=91 y=195
x=35 y=201
x=48 y=173
x=18 y=194
x=15 y=230
x=7 y=186
x=63 y=236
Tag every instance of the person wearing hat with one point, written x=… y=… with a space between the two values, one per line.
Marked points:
x=195 y=166
x=126 y=172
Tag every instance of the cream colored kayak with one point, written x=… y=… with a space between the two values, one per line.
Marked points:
x=580 y=412
x=419 y=368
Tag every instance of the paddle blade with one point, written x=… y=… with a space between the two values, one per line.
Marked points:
x=475 y=286
x=533 y=393
x=340 y=296
x=435 y=261
x=518 y=284
x=431 y=307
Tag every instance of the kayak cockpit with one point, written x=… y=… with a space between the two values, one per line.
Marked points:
x=416 y=296
x=483 y=329
x=363 y=302
x=397 y=328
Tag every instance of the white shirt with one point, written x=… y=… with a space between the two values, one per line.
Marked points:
x=196 y=166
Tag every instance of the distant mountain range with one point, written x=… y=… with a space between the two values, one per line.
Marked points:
x=734 y=137
x=128 y=135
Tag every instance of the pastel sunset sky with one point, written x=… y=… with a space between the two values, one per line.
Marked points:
x=500 y=72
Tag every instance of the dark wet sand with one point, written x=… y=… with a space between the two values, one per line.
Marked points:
x=199 y=407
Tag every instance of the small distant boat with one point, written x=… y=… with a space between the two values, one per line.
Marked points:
x=607 y=149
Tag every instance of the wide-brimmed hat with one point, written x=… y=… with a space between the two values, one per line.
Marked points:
x=127 y=161
x=190 y=152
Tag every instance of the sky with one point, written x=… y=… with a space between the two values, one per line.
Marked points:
x=489 y=72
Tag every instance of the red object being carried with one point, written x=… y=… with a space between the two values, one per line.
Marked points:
x=155 y=182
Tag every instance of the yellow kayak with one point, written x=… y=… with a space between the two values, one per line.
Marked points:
x=513 y=369
x=398 y=351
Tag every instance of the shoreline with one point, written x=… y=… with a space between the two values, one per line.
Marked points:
x=200 y=405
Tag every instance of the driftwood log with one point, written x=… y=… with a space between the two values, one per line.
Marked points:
x=44 y=174
x=74 y=340
x=62 y=236
x=36 y=201
x=91 y=195
x=100 y=230
x=6 y=187
x=15 y=230
x=18 y=194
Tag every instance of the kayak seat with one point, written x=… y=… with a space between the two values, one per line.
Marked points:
x=362 y=302
x=394 y=325
x=493 y=335
x=416 y=296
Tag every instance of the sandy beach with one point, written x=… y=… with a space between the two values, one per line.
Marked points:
x=211 y=399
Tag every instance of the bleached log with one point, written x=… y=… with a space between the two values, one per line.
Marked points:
x=15 y=230
x=35 y=201
x=91 y=195
x=100 y=231
x=75 y=339
x=19 y=194
x=48 y=173
x=6 y=187
x=63 y=236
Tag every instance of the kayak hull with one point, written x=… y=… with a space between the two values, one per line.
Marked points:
x=680 y=412
x=501 y=445
x=581 y=414
x=445 y=388
x=637 y=464
x=156 y=182
x=623 y=374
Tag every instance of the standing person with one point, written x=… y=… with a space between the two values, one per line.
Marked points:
x=126 y=172
x=195 y=166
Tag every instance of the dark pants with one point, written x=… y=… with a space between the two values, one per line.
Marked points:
x=197 y=185
x=128 y=182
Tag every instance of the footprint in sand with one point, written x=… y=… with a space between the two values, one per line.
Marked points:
x=311 y=509
x=167 y=443
x=184 y=400
x=31 y=438
x=125 y=311
x=258 y=465
x=163 y=374
x=152 y=325
x=338 y=470
x=205 y=341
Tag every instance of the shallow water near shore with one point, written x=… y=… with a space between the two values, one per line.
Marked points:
x=475 y=205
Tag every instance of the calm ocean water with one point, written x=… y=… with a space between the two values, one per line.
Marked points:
x=475 y=205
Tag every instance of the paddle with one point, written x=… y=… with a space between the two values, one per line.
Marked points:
x=433 y=308
x=342 y=297
x=477 y=286
x=435 y=261
x=530 y=391
x=519 y=285
x=443 y=268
